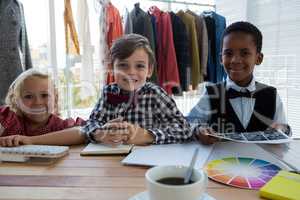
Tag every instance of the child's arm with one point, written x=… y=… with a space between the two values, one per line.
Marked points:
x=172 y=126
x=201 y=113
x=1 y=129
x=280 y=121
x=199 y=117
x=139 y=136
x=9 y=122
x=69 y=136
x=97 y=118
x=279 y=116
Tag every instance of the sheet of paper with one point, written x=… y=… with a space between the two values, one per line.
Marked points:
x=234 y=149
x=262 y=137
x=168 y=154
x=289 y=153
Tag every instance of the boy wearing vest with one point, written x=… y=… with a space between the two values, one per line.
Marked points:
x=239 y=104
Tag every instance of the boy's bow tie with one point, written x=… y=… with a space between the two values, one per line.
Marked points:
x=231 y=94
x=116 y=99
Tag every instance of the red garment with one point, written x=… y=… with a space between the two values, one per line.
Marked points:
x=114 y=24
x=168 y=76
x=12 y=124
x=114 y=30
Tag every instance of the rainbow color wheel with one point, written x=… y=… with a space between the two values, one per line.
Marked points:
x=248 y=173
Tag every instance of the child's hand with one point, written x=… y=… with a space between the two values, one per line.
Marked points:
x=111 y=137
x=138 y=135
x=14 y=140
x=204 y=136
x=114 y=133
x=281 y=127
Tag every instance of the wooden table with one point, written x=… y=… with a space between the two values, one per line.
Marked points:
x=93 y=177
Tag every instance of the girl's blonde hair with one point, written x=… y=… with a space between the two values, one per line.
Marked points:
x=14 y=91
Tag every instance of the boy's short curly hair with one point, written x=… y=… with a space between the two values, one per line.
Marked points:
x=124 y=46
x=246 y=27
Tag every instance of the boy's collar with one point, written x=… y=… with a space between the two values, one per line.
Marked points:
x=230 y=84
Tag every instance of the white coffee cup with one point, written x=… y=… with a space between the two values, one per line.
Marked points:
x=161 y=191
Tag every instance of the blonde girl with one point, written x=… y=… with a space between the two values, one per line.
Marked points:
x=31 y=107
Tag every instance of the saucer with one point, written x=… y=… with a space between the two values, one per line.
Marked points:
x=144 y=196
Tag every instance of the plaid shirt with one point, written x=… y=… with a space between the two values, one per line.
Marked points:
x=150 y=107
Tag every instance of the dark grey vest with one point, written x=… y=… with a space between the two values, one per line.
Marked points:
x=224 y=118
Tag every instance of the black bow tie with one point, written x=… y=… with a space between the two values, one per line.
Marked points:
x=231 y=94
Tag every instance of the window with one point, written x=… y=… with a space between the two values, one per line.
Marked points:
x=38 y=31
x=47 y=43
x=45 y=27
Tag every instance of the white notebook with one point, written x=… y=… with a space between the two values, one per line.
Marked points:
x=100 y=149
x=168 y=154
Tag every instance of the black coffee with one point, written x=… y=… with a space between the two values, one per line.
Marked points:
x=173 y=181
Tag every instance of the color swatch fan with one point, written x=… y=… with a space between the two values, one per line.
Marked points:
x=241 y=172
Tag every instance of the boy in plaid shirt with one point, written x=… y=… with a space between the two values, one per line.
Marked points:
x=131 y=110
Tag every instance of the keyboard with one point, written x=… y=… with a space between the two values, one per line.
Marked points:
x=26 y=152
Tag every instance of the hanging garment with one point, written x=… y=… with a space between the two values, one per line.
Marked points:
x=72 y=46
x=153 y=22
x=189 y=22
x=182 y=47
x=128 y=22
x=201 y=33
x=211 y=61
x=141 y=24
x=215 y=27
x=14 y=48
x=220 y=27
x=114 y=31
x=204 y=45
x=84 y=35
x=114 y=24
x=168 y=76
x=103 y=46
x=154 y=76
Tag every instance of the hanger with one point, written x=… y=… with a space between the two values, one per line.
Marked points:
x=186 y=7
x=208 y=13
x=137 y=5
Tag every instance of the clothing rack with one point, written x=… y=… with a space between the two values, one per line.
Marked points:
x=186 y=3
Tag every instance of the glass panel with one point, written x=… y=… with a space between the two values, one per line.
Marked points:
x=37 y=30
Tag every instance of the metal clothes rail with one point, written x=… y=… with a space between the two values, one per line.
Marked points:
x=186 y=3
